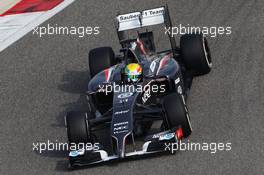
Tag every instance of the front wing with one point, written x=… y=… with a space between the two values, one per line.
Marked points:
x=157 y=143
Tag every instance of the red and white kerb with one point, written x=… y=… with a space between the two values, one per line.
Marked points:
x=18 y=17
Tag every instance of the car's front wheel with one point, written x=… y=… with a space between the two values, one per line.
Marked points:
x=78 y=130
x=176 y=114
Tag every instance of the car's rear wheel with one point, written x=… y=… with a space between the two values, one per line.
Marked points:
x=176 y=113
x=78 y=130
x=196 y=54
x=99 y=59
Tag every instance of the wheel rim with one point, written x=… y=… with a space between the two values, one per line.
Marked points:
x=207 y=53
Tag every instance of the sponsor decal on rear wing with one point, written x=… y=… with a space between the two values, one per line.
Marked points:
x=141 y=19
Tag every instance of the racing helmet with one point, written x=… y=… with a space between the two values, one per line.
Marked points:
x=133 y=72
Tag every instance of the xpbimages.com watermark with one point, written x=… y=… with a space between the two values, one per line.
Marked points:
x=212 y=147
x=147 y=90
x=80 y=31
x=48 y=145
x=110 y=88
x=212 y=31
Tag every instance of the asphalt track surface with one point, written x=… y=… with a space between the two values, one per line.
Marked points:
x=42 y=78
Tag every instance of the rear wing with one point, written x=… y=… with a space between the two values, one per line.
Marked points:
x=145 y=18
x=141 y=19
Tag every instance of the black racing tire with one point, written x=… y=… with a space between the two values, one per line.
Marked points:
x=196 y=54
x=78 y=130
x=99 y=59
x=176 y=113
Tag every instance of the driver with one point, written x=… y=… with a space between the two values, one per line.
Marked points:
x=133 y=72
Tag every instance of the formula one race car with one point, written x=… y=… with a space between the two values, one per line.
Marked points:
x=129 y=94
